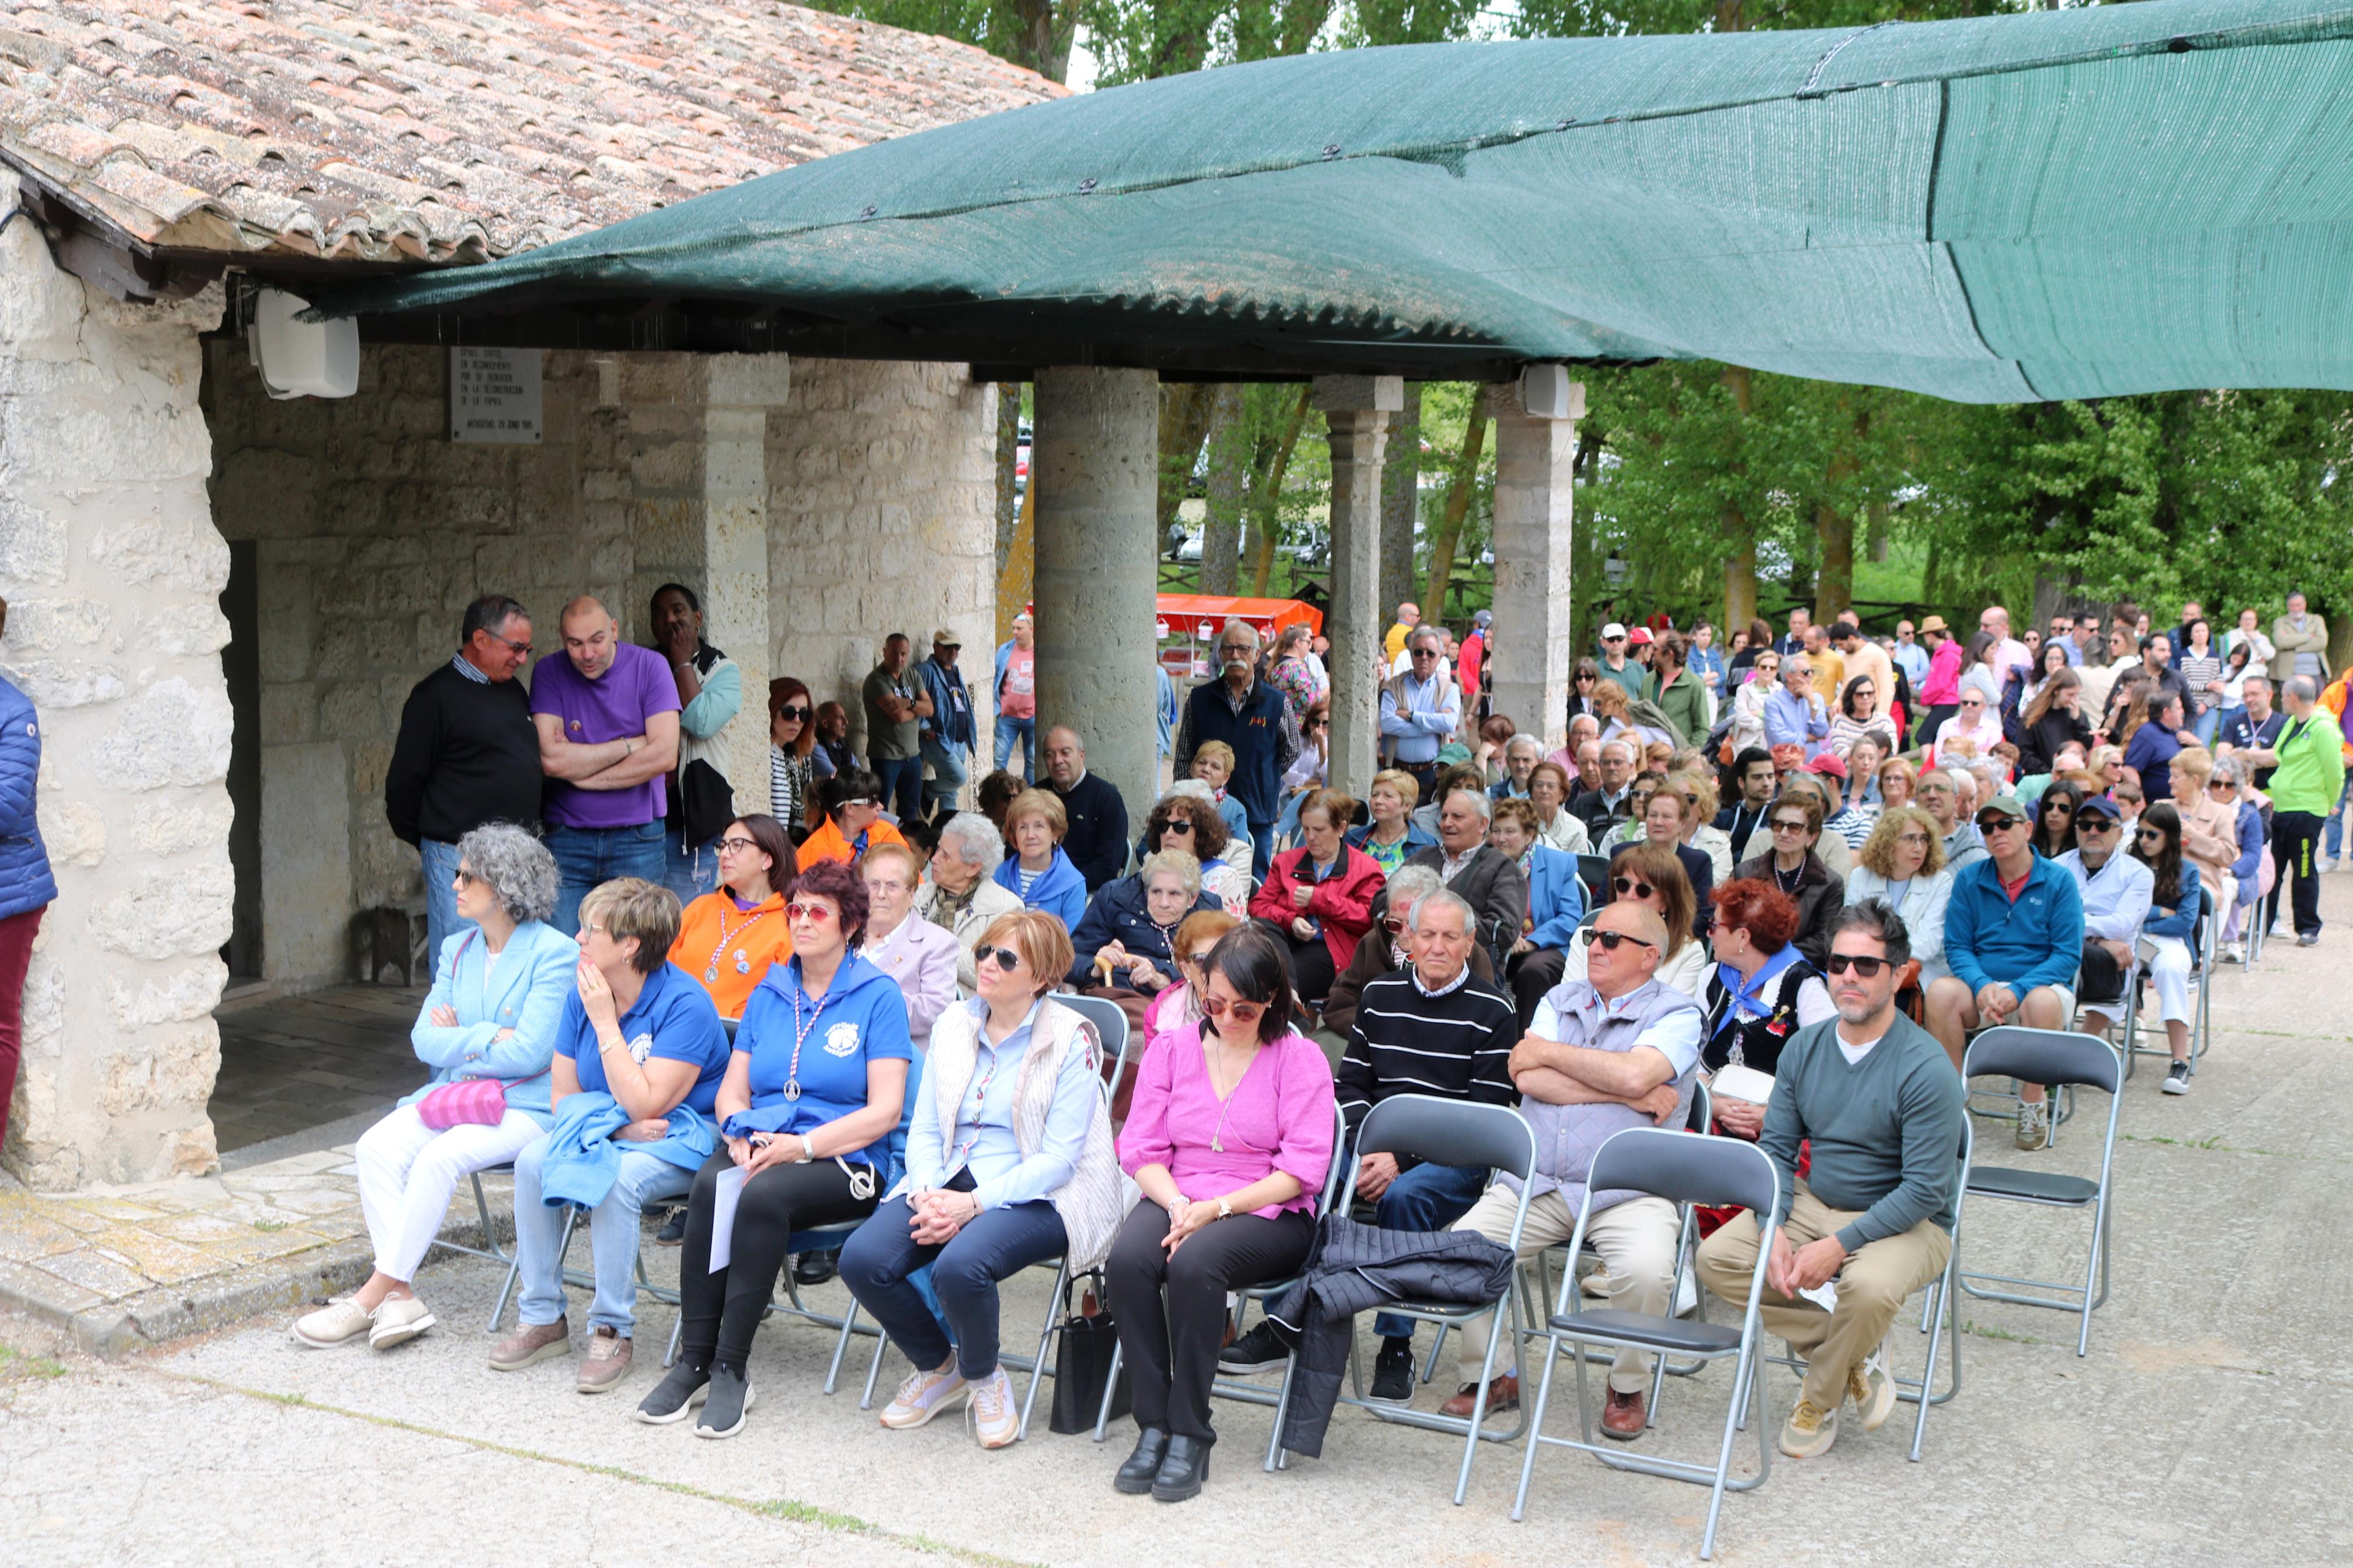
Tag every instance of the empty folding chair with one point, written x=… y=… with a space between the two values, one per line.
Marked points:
x=1717 y=1171
x=2049 y=1055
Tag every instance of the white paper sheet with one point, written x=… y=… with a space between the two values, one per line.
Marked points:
x=726 y=1194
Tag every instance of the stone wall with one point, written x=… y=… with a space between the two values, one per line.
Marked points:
x=112 y=571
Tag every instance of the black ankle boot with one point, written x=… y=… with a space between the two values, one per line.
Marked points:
x=1135 y=1476
x=1182 y=1471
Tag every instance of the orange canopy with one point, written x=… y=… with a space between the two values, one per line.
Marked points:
x=1185 y=612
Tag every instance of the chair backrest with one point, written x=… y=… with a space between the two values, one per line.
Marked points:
x=731 y=1026
x=1450 y=1132
x=1110 y=1022
x=1337 y=1171
x=1720 y=1172
x=894 y=1147
x=1593 y=870
x=2045 y=1056
x=1702 y=1110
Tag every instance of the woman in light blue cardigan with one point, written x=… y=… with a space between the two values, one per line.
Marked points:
x=499 y=991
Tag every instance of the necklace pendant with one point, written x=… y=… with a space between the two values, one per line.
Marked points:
x=711 y=975
x=792 y=1088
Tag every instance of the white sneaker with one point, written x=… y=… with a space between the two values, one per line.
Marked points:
x=2325 y=864
x=399 y=1320
x=340 y=1321
x=2234 y=953
x=994 y=1420
x=924 y=1395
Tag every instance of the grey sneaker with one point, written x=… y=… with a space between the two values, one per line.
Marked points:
x=2176 y=1079
x=604 y=1364
x=530 y=1344
x=2307 y=938
x=2034 y=1124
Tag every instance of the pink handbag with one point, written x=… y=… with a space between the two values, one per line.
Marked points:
x=475 y=1101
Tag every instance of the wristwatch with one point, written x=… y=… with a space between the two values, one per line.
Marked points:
x=1225 y=1209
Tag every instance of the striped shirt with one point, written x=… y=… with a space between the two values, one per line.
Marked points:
x=1456 y=1045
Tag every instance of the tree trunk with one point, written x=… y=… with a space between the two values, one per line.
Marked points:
x=1183 y=424
x=1008 y=442
x=1400 y=500
x=1834 y=586
x=1266 y=502
x=1229 y=455
x=1876 y=534
x=1449 y=523
x=1740 y=570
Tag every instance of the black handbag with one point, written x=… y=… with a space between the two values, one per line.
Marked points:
x=1082 y=1368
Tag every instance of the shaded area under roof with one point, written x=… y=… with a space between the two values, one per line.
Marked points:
x=2096 y=201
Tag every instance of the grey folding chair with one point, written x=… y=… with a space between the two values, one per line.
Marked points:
x=2205 y=942
x=1593 y=870
x=1111 y=1029
x=2049 y=1055
x=1717 y=1171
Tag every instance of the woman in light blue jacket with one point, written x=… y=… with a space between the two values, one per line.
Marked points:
x=498 y=995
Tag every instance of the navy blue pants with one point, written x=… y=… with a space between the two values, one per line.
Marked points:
x=902 y=786
x=1427 y=1197
x=996 y=1245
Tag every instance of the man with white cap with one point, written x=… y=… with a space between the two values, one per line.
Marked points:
x=1616 y=666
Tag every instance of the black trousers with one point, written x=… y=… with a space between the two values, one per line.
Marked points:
x=720 y=1311
x=2295 y=841
x=2103 y=979
x=1170 y=1307
x=1311 y=971
x=1532 y=975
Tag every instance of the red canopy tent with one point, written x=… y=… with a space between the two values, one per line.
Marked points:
x=1183 y=613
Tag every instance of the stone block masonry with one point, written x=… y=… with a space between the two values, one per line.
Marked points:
x=112 y=571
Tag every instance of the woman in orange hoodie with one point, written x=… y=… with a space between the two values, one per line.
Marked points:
x=728 y=939
x=853 y=819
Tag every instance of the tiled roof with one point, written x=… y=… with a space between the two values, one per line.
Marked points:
x=449 y=130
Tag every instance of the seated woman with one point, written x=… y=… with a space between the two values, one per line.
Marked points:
x=918 y=957
x=1859 y=805
x=960 y=894
x=852 y=803
x=805 y=1128
x=1009 y=1162
x=1125 y=946
x=1548 y=791
x=1666 y=817
x=1697 y=788
x=499 y=991
x=727 y=938
x=1555 y=903
x=638 y=1057
x=2054 y=820
x=1231 y=1141
x=1760 y=991
x=1318 y=899
x=1391 y=837
x=1179 y=1006
x=1903 y=862
x=2252 y=871
x=1653 y=875
x=1038 y=872
x=1213 y=764
x=1188 y=821
x=2172 y=918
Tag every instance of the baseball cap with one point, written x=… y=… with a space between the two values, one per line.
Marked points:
x=2008 y=805
x=1639 y=636
x=1483 y=618
x=944 y=637
x=1827 y=763
x=2099 y=806
x=1612 y=630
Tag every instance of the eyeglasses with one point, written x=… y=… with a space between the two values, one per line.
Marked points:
x=798 y=712
x=886 y=884
x=1243 y=1012
x=1198 y=959
x=1611 y=939
x=1629 y=888
x=1974 y=702
x=1425 y=653
x=1786 y=825
x=1918 y=840
x=466 y=878
x=865 y=800
x=1005 y=958
x=2220 y=784
x=820 y=913
x=737 y=844
x=1839 y=962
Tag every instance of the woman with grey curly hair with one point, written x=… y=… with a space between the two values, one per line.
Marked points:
x=498 y=988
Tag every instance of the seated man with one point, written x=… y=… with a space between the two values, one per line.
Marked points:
x=1881 y=1108
x=2013 y=938
x=2117 y=891
x=1388 y=948
x=1430 y=1028
x=1614 y=1050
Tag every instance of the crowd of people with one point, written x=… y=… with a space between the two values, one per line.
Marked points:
x=1801 y=868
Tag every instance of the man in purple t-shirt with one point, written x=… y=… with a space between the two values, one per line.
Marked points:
x=608 y=719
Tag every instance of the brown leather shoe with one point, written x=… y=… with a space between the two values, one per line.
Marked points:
x=1502 y=1394
x=604 y=1364
x=530 y=1344
x=1623 y=1416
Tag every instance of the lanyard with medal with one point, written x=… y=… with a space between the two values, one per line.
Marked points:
x=743 y=964
x=800 y=1036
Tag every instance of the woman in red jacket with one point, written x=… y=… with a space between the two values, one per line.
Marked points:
x=1318 y=899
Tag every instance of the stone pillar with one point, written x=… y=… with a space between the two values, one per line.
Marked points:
x=698 y=510
x=1094 y=466
x=1534 y=498
x=1357 y=409
x=113 y=570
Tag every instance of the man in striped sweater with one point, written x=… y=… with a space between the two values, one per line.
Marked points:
x=1432 y=1027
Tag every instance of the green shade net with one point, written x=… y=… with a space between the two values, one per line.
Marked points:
x=2117 y=199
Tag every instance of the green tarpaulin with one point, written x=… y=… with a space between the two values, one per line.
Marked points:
x=2112 y=199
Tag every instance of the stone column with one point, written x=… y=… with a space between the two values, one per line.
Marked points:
x=698 y=513
x=1357 y=409
x=1094 y=464
x=1533 y=513
x=113 y=570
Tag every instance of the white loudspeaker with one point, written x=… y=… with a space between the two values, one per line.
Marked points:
x=302 y=359
x=1546 y=393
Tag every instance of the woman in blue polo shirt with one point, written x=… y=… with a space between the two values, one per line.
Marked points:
x=812 y=1094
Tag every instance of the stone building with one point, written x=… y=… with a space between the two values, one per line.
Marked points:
x=219 y=600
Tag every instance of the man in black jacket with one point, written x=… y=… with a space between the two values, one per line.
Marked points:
x=1097 y=841
x=467 y=754
x=1607 y=804
x=1486 y=879
x=1752 y=776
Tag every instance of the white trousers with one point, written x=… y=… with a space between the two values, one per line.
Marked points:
x=408 y=1172
x=2170 y=974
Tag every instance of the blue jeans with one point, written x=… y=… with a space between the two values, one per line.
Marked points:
x=948 y=772
x=612 y=1237
x=2204 y=726
x=1261 y=849
x=903 y=786
x=877 y=1264
x=1025 y=730
x=442 y=920
x=1427 y=1197
x=587 y=857
x=2333 y=836
x=689 y=873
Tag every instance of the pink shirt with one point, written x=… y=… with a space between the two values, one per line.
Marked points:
x=1280 y=1118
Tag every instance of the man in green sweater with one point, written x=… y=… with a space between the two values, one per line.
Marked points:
x=2308 y=763
x=1873 y=1219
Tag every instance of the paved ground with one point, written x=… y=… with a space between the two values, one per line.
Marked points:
x=2210 y=1420
x=291 y=1063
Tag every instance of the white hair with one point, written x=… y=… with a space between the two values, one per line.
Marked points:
x=1486 y=806
x=1530 y=741
x=973 y=838
x=1442 y=899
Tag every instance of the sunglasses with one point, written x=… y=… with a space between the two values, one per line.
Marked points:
x=466 y=878
x=1005 y=958
x=865 y=800
x=1176 y=825
x=1839 y=962
x=1243 y=1012
x=796 y=713
x=1994 y=823
x=1613 y=639
x=2152 y=835
x=1787 y=827
x=1587 y=678
x=1611 y=939
x=820 y=913
x=1629 y=888
x=2096 y=823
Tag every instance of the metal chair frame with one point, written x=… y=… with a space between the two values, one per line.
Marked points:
x=1672 y=1165
x=2205 y=949
x=2064 y=1059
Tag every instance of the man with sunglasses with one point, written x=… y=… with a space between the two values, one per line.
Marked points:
x=467 y=754
x=1419 y=709
x=2116 y=889
x=1629 y=676
x=2013 y=940
x=1614 y=1050
x=1880 y=1107
x=1795 y=715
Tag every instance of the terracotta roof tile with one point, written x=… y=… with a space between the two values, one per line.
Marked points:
x=450 y=130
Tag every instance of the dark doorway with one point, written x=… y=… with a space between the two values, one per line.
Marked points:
x=241 y=664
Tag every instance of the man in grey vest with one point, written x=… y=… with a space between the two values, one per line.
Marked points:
x=1614 y=1050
